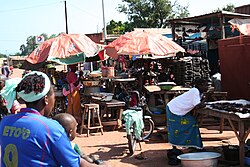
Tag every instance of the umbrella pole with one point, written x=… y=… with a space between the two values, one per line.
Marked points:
x=142 y=77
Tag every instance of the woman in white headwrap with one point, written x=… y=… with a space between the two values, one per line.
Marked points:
x=29 y=138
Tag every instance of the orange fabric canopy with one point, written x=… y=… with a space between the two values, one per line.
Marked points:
x=141 y=42
x=62 y=47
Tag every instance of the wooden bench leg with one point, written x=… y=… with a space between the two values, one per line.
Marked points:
x=88 y=126
x=119 y=120
x=82 y=124
x=221 y=125
x=99 y=120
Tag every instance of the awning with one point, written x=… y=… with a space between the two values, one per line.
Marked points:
x=242 y=25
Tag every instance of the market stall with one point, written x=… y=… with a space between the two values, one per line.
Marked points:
x=210 y=28
x=107 y=117
x=167 y=94
x=237 y=112
x=122 y=81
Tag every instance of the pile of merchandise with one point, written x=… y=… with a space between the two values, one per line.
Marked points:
x=188 y=69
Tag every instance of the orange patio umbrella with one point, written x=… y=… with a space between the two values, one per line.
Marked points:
x=142 y=42
x=72 y=47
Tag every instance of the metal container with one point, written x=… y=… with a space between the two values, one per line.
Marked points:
x=199 y=159
x=96 y=74
x=102 y=96
x=88 y=83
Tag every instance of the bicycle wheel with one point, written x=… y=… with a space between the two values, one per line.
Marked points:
x=131 y=141
x=149 y=126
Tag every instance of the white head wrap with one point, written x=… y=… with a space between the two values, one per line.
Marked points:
x=33 y=96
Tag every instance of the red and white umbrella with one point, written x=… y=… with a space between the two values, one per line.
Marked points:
x=142 y=42
x=64 y=46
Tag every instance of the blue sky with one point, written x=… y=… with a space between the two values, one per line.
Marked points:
x=21 y=18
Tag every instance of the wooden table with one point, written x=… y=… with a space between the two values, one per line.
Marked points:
x=216 y=96
x=241 y=131
x=166 y=94
x=121 y=81
x=106 y=114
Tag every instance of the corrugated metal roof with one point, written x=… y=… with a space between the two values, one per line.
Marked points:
x=18 y=57
x=155 y=30
x=210 y=18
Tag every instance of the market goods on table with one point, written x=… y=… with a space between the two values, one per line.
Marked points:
x=239 y=107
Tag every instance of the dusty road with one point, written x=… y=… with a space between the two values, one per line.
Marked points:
x=113 y=147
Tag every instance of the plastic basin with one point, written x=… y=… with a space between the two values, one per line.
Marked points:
x=199 y=159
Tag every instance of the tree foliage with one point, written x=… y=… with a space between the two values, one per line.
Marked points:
x=30 y=45
x=228 y=7
x=3 y=55
x=114 y=27
x=151 y=13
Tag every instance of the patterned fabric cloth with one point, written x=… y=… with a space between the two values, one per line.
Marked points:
x=71 y=77
x=73 y=95
x=30 y=139
x=9 y=92
x=183 y=130
x=130 y=117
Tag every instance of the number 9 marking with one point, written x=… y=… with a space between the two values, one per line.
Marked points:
x=10 y=149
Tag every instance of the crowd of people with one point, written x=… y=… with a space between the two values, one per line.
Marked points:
x=50 y=141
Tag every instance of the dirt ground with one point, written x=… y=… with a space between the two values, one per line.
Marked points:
x=112 y=145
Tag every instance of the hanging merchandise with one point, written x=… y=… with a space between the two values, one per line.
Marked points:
x=121 y=58
x=134 y=57
x=130 y=57
x=190 y=68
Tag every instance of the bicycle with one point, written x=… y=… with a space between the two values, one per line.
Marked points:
x=134 y=126
x=139 y=126
x=149 y=124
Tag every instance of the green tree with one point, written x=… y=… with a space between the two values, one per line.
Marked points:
x=115 y=27
x=31 y=44
x=45 y=36
x=228 y=7
x=151 y=13
x=128 y=26
x=23 y=50
x=53 y=36
x=2 y=55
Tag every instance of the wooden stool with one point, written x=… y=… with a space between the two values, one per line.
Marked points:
x=90 y=110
